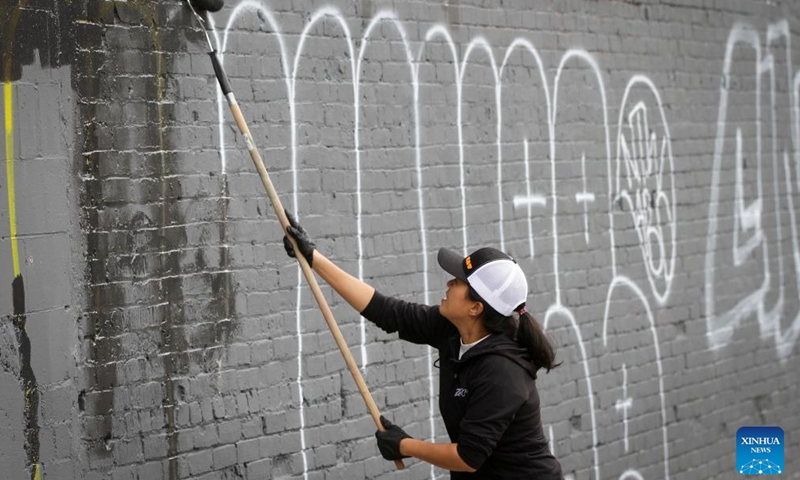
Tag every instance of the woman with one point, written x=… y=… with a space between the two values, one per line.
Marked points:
x=490 y=349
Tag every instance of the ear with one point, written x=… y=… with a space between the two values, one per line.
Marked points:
x=476 y=310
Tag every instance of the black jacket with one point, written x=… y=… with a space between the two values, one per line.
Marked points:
x=488 y=399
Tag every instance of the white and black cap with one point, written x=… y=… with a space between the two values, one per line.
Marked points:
x=494 y=276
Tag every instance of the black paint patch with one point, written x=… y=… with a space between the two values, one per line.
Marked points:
x=30 y=389
x=146 y=218
x=82 y=401
x=34 y=28
x=98 y=369
x=18 y=296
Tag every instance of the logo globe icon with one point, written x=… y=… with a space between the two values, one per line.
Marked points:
x=760 y=467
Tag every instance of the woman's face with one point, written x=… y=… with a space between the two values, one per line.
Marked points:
x=456 y=303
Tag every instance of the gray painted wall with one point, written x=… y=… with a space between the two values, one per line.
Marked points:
x=639 y=159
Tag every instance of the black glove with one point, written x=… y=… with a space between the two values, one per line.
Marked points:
x=389 y=440
x=300 y=236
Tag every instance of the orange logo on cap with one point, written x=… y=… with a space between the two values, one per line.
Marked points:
x=469 y=263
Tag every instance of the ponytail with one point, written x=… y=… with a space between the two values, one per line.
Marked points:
x=531 y=335
x=525 y=330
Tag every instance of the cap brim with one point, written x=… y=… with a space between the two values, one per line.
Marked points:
x=452 y=263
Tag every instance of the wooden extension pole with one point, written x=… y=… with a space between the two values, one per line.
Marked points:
x=224 y=84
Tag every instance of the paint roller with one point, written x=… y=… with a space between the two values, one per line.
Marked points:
x=206 y=5
x=224 y=84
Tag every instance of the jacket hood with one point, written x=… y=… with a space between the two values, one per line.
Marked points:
x=499 y=344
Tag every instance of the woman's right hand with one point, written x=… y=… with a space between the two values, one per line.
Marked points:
x=300 y=236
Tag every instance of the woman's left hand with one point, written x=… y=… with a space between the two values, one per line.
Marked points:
x=389 y=440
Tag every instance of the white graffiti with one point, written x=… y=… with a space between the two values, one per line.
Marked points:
x=529 y=200
x=585 y=198
x=624 y=404
x=641 y=180
x=755 y=246
x=619 y=284
x=647 y=157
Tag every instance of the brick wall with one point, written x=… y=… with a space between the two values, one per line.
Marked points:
x=639 y=159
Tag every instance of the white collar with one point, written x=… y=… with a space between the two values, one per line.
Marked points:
x=466 y=346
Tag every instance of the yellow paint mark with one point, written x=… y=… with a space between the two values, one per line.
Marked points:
x=12 y=207
x=8 y=104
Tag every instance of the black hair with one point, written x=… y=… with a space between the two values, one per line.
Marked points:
x=526 y=330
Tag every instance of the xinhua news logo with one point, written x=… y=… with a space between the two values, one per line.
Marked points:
x=759 y=450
